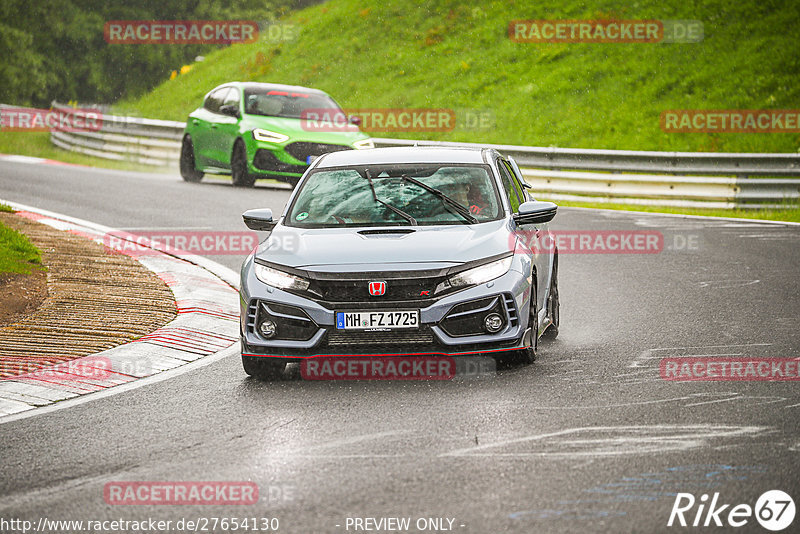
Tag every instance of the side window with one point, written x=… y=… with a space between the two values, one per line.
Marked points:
x=523 y=194
x=215 y=99
x=232 y=98
x=512 y=191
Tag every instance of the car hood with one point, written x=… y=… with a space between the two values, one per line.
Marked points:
x=350 y=250
x=298 y=129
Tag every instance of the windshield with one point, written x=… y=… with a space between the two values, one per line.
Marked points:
x=282 y=103
x=344 y=197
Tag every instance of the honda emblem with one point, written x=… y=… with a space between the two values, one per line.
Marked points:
x=376 y=289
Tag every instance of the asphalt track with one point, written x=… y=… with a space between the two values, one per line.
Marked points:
x=589 y=438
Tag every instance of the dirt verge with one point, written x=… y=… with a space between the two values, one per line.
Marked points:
x=95 y=300
x=21 y=294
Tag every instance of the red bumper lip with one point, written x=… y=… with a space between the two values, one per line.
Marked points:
x=378 y=355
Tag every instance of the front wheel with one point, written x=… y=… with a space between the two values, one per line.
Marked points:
x=241 y=178
x=264 y=368
x=188 y=170
x=527 y=355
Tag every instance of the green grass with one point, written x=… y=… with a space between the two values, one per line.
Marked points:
x=397 y=53
x=790 y=214
x=38 y=144
x=17 y=253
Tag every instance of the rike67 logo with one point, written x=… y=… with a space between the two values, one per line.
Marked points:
x=774 y=510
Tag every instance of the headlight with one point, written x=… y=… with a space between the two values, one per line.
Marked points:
x=477 y=275
x=366 y=143
x=260 y=134
x=279 y=279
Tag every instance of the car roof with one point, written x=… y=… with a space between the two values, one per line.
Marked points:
x=392 y=155
x=277 y=86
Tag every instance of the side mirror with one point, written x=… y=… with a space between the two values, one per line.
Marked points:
x=535 y=212
x=355 y=119
x=230 y=110
x=259 y=220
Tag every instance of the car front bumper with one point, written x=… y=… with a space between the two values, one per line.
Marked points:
x=317 y=334
x=289 y=159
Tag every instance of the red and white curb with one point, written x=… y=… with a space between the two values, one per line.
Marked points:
x=207 y=325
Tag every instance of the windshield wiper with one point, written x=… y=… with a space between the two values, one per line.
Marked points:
x=398 y=211
x=457 y=206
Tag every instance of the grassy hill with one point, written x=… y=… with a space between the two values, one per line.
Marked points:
x=398 y=53
x=17 y=253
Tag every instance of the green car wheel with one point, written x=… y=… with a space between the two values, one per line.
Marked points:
x=241 y=178
x=188 y=170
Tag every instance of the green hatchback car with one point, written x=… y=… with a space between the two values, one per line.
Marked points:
x=259 y=130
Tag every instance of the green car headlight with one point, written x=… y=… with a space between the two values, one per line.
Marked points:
x=281 y=280
x=260 y=134
x=365 y=143
x=477 y=275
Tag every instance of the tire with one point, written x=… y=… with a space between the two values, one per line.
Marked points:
x=263 y=368
x=188 y=170
x=553 y=305
x=241 y=178
x=527 y=355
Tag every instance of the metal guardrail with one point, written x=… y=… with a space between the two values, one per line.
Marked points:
x=607 y=176
x=738 y=164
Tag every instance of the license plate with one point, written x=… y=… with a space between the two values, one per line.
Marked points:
x=368 y=320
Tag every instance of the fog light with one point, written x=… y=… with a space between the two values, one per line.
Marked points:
x=268 y=328
x=493 y=323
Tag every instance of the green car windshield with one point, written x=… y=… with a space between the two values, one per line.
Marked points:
x=373 y=195
x=287 y=104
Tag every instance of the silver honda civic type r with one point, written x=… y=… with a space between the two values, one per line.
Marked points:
x=396 y=251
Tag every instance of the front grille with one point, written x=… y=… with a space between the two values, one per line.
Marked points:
x=421 y=336
x=266 y=161
x=302 y=149
x=357 y=290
